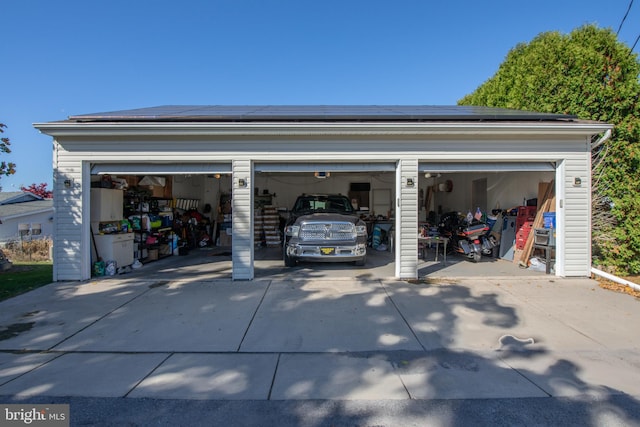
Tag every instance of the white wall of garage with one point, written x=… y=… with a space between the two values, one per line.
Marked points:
x=505 y=190
x=79 y=145
x=287 y=186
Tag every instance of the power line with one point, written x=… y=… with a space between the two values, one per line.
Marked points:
x=624 y=17
x=635 y=42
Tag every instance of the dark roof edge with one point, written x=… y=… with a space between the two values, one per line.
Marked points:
x=309 y=113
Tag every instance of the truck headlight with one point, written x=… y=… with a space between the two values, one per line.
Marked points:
x=292 y=230
x=361 y=230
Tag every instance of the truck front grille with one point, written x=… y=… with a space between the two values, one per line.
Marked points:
x=327 y=231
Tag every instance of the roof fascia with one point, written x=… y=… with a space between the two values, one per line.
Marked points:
x=70 y=129
x=25 y=194
x=21 y=214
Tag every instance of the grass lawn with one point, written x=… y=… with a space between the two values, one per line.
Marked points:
x=25 y=276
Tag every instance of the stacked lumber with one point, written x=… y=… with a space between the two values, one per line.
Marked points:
x=258 y=227
x=271 y=223
x=546 y=203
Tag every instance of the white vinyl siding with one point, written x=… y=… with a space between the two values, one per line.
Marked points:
x=9 y=229
x=407 y=219
x=159 y=168
x=324 y=167
x=242 y=242
x=576 y=223
x=69 y=243
x=486 y=167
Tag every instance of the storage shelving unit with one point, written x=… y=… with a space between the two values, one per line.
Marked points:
x=152 y=241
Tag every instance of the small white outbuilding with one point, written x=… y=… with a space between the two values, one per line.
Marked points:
x=507 y=151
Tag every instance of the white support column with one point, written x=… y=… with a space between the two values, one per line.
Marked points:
x=407 y=219
x=71 y=252
x=242 y=214
x=560 y=218
x=573 y=217
x=84 y=186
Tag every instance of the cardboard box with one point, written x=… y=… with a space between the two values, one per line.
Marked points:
x=155 y=190
x=225 y=239
x=153 y=255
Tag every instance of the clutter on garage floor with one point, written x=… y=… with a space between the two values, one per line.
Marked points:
x=163 y=225
x=541 y=240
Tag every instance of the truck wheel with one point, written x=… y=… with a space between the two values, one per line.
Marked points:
x=289 y=261
x=362 y=261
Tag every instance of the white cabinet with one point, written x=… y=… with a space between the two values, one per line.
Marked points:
x=106 y=204
x=116 y=247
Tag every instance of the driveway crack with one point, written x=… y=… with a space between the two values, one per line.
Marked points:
x=406 y=322
x=519 y=372
x=246 y=331
x=148 y=375
x=273 y=380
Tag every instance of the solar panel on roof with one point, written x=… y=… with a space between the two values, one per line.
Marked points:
x=317 y=113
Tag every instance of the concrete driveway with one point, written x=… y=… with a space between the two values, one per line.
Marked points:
x=337 y=339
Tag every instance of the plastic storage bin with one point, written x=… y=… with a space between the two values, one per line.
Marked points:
x=549 y=219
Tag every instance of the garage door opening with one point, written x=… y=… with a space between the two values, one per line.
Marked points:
x=143 y=213
x=492 y=194
x=369 y=188
x=185 y=211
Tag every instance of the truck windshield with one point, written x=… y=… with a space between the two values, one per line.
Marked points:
x=323 y=204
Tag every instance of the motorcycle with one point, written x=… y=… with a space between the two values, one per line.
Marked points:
x=468 y=238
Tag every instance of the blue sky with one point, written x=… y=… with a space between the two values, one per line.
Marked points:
x=68 y=57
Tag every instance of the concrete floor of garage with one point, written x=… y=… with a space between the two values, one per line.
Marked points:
x=215 y=262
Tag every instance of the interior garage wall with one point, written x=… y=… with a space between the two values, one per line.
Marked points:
x=287 y=186
x=206 y=188
x=189 y=187
x=504 y=189
x=213 y=188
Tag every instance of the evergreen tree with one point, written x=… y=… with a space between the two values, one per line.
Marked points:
x=591 y=74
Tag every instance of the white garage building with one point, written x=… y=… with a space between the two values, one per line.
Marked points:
x=401 y=146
